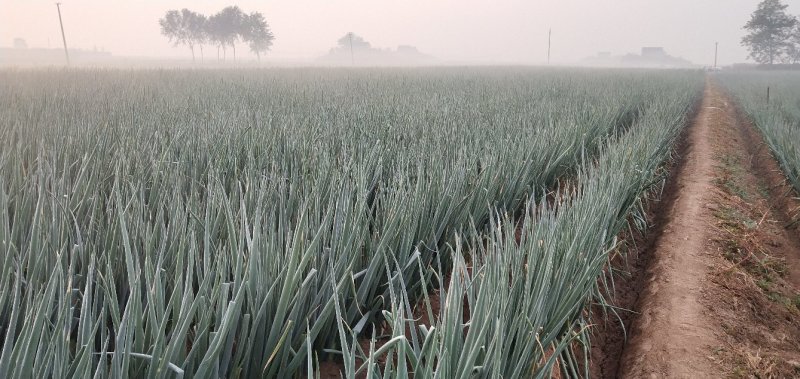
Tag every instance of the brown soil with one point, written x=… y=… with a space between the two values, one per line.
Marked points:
x=718 y=298
x=779 y=204
x=673 y=333
x=628 y=273
x=757 y=290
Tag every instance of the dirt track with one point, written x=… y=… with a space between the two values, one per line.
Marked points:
x=672 y=323
x=703 y=309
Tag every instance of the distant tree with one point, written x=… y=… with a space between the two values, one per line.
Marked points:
x=197 y=29
x=794 y=45
x=173 y=27
x=357 y=42
x=214 y=35
x=225 y=28
x=257 y=34
x=184 y=27
x=351 y=43
x=770 y=29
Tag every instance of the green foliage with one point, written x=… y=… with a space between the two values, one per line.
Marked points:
x=515 y=304
x=770 y=33
x=779 y=119
x=224 y=29
x=247 y=223
x=185 y=28
x=257 y=33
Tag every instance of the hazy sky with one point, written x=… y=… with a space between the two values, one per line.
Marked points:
x=507 y=31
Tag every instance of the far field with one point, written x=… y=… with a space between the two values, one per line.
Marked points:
x=395 y=223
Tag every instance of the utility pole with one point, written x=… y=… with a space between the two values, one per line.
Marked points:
x=63 y=37
x=352 y=59
x=716 y=50
x=549 y=38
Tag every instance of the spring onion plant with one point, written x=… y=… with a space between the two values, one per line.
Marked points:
x=259 y=223
x=777 y=117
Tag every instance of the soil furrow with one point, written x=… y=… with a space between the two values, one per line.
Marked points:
x=720 y=290
x=672 y=333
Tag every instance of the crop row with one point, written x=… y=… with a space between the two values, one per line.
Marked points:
x=516 y=302
x=247 y=223
x=772 y=100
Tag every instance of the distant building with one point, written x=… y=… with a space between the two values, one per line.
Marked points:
x=366 y=55
x=653 y=52
x=650 y=57
x=20 y=43
x=406 y=49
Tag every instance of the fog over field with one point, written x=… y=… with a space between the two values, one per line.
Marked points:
x=399 y=189
x=462 y=32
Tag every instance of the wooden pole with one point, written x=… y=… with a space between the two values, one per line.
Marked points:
x=63 y=37
x=716 y=50
x=352 y=58
x=549 y=39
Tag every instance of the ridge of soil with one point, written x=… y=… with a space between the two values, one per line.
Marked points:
x=783 y=204
x=672 y=332
x=757 y=304
x=719 y=274
x=627 y=269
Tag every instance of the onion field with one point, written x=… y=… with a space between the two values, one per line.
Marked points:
x=776 y=116
x=387 y=223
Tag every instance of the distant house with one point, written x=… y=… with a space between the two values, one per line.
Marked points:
x=363 y=54
x=654 y=52
x=20 y=43
x=650 y=57
x=407 y=49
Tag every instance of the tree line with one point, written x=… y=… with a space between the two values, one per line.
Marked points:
x=773 y=34
x=223 y=29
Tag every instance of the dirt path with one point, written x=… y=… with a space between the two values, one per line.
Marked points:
x=718 y=298
x=672 y=335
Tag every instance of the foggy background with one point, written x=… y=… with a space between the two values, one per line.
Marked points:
x=453 y=31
